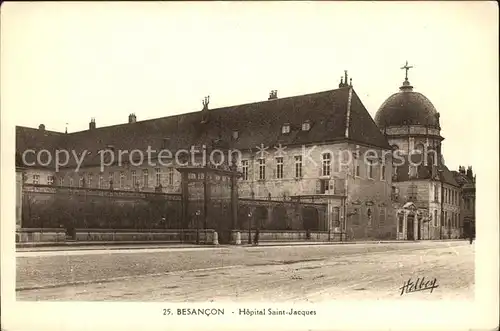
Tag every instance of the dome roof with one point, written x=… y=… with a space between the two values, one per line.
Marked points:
x=407 y=108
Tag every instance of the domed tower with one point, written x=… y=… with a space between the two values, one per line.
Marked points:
x=410 y=121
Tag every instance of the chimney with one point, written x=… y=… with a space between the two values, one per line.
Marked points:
x=132 y=118
x=273 y=95
x=205 y=114
x=92 y=124
x=469 y=173
x=344 y=80
x=41 y=127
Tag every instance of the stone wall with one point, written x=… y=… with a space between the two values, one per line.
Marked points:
x=40 y=235
x=276 y=236
x=281 y=215
x=169 y=178
x=55 y=207
x=370 y=214
x=205 y=236
x=289 y=185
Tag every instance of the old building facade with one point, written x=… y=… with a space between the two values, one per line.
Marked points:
x=316 y=148
x=427 y=198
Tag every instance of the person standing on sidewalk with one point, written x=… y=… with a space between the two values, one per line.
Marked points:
x=256 y=238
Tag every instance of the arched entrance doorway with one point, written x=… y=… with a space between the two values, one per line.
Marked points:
x=410 y=226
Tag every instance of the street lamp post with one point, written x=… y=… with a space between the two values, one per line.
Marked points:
x=442 y=204
x=197 y=226
x=250 y=227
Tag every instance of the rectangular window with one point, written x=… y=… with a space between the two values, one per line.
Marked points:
x=279 y=167
x=145 y=177
x=262 y=169
x=111 y=178
x=158 y=177
x=370 y=169
x=50 y=180
x=298 y=166
x=400 y=219
x=89 y=180
x=436 y=193
x=82 y=181
x=435 y=219
x=244 y=168
x=70 y=182
x=324 y=186
x=382 y=172
x=285 y=129
x=356 y=168
x=134 y=179
x=36 y=179
x=101 y=181
x=327 y=160
x=170 y=176
x=445 y=218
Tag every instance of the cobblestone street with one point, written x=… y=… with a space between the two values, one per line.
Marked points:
x=310 y=273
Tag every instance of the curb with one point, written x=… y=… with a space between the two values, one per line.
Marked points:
x=82 y=246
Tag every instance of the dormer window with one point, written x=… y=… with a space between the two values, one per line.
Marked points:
x=235 y=135
x=306 y=126
x=285 y=129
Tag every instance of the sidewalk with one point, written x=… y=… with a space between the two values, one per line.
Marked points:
x=115 y=245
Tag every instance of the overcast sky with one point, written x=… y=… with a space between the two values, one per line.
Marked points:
x=65 y=63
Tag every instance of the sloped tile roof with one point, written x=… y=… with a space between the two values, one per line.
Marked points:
x=257 y=123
